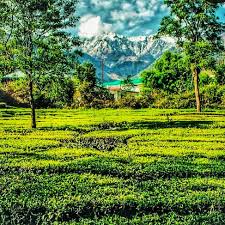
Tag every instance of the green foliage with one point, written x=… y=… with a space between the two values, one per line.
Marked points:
x=213 y=95
x=7 y=61
x=220 y=74
x=36 y=28
x=7 y=46
x=88 y=93
x=206 y=78
x=170 y=73
x=195 y=25
x=112 y=167
x=198 y=32
x=39 y=32
x=134 y=102
x=163 y=100
x=86 y=73
x=17 y=90
x=168 y=84
x=48 y=92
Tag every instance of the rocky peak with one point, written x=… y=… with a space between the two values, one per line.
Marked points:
x=122 y=55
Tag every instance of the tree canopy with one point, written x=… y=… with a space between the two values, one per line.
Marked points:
x=171 y=73
x=198 y=32
x=39 y=33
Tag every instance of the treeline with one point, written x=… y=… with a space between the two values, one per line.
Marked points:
x=166 y=84
x=169 y=83
x=81 y=89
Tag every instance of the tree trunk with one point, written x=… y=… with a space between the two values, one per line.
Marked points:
x=30 y=76
x=196 y=72
x=32 y=103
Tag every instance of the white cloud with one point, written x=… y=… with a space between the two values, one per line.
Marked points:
x=163 y=8
x=102 y=3
x=127 y=6
x=93 y=26
x=121 y=16
x=141 y=4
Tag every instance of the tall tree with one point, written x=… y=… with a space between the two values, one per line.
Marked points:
x=39 y=29
x=198 y=32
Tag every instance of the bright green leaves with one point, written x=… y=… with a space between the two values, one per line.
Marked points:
x=169 y=171
x=198 y=32
x=193 y=22
x=170 y=73
x=38 y=30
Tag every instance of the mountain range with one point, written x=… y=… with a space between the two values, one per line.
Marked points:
x=122 y=56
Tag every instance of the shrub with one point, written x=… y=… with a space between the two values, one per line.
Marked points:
x=213 y=95
x=17 y=89
x=47 y=93
x=134 y=102
x=220 y=74
x=55 y=93
x=174 y=101
x=92 y=97
x=170 y=73
x=206 y=78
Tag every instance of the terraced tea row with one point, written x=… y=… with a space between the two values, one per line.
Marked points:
x=112 y=167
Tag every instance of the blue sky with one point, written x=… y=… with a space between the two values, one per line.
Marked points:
x=125 y=17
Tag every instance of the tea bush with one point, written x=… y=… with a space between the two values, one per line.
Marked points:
x=107 y=166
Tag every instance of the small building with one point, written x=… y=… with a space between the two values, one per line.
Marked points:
x=120 y=87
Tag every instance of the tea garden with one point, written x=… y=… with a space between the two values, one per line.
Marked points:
x=110 y=166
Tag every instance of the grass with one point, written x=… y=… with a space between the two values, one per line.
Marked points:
x=112 y=167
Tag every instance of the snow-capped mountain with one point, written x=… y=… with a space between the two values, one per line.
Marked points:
x=123 y=56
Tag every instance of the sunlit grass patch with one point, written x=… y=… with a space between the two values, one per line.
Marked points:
x=12 y=150
x=52 y=135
